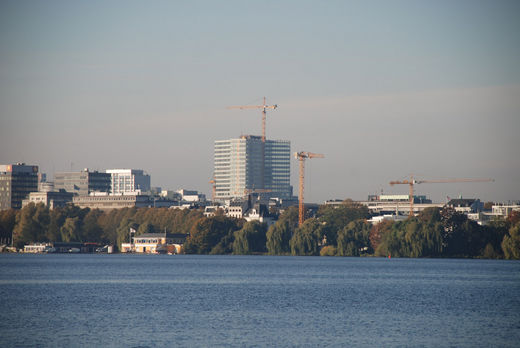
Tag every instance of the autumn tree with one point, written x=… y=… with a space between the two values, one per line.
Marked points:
x=7 y=224
x=511 y=243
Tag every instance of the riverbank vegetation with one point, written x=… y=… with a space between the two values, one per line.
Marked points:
x=334 y=231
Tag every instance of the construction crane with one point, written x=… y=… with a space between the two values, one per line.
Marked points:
x=301 y=157
x=412 y=182
x=264 y=108
x=213 y=183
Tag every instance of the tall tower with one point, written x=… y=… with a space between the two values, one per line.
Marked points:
x=240 y=166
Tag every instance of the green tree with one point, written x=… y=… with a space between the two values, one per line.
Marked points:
x=123 y=231
x=25 y=230
x=306 y=238
x=353 y=239
x=145 y=227
x=31 y=224
x=377 y=232
x=207 y=233
x=278 y=237
x=511 y=243
x=251 y=238
x=336 y=218
x=70 y=231
x=91 y=231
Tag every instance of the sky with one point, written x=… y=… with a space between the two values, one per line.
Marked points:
x=384 y=89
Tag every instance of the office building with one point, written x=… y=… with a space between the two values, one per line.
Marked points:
x=109 y=202
x=82 y=183
x=16 y=182
x=124 y=181
x=52 y=199
x=246 y=164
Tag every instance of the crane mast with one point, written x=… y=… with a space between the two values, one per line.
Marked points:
x=213 y=183
x=301 y=157
x=264 y=108
x=412 y=182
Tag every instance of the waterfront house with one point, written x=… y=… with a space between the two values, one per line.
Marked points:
x=155 y=243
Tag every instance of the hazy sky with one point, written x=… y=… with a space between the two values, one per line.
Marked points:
x=382 y=88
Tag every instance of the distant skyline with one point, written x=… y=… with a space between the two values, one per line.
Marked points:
x=382 y=88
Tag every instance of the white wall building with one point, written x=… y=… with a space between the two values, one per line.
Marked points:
x=129 y=181
x=191 y=195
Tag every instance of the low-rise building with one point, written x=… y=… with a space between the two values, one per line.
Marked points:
x=466 y=205
x=374 y=220
x=191 y=196
x=259 y=212
x=211 y=210
x=237 y=209
x=395 y=204
x=37 y=248
x=151 y=243
x=108 y=202
x=504 y=209
x=50 y=199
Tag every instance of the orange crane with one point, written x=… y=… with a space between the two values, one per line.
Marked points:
x=412 y=182
x=301 y=157
x=213 y=183
x=264 y=108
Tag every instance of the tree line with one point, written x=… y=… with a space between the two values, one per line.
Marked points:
x=334 y=231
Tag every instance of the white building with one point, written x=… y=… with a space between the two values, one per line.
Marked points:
x=191 y=195
x=128 y=181
x=504 y=209
x=246 y=164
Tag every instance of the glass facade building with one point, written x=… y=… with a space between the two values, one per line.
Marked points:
x=16 y=182
x=246 y=164
x=82 y=183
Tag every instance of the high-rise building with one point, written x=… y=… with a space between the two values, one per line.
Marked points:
x=16 y=182
x=124 y=181
x=82 y=183
x=246 y=164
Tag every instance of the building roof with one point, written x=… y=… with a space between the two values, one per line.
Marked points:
x=161 y=235
x=461 y=202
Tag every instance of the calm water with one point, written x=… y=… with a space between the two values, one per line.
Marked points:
x=144 y=301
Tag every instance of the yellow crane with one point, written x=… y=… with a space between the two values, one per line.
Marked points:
x=412 y=182
x=301 y=157
x=264 y=108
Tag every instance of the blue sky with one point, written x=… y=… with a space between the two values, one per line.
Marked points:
x=382 y=88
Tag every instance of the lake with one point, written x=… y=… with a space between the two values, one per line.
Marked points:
x=244 y=301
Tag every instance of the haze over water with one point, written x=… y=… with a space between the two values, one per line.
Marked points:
x=149 y=300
